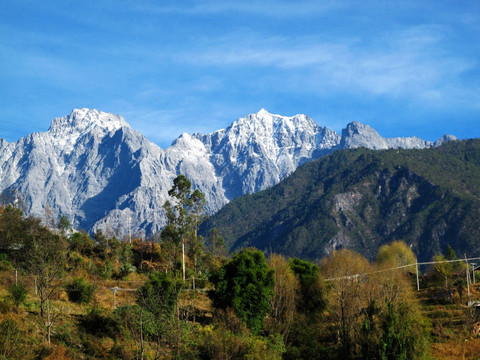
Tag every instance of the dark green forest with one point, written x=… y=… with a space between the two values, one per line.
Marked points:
x=361 y=199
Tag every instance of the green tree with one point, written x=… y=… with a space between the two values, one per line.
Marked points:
x=140 y=325
x=81 y=242
x=246 y=284
x=183 y=215
x=12 y=233
x=312 y=292
x=63 y=225
x=404 y=333
x=106 y=247
x=217 y=244
x=457 y=266
x=443 y=268
x=447 y=265
x=196 y=208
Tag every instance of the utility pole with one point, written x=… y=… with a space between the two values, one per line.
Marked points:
x=468 y=278
x=418 y=282
x=473 y=272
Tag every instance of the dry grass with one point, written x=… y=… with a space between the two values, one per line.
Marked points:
x=58 y=353
x=462 y=349
x=127 y=296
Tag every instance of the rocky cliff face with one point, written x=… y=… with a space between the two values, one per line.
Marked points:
x=94 y=168
x=358 y=135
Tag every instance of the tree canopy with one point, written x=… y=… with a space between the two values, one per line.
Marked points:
x=244 y=283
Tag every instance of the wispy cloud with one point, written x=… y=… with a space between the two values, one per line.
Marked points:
x=410 y=63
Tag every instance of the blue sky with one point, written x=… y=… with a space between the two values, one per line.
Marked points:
x=404 y=67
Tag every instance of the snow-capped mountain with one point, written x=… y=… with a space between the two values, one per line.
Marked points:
x=259 y=150
x=94 y=168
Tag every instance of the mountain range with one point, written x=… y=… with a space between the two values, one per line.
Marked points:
x=92 y=167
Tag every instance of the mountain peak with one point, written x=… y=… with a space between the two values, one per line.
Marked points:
x=83 y=119
x=360 y=135
x=262 y=112
x=357 y=134
x=445 y=138
x=356 y=127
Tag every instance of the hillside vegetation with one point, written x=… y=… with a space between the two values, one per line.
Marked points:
x=361 y=199
x=65 y=295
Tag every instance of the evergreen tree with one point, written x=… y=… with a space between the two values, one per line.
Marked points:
x=245 y=284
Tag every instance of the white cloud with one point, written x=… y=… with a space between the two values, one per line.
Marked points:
x=411 y=63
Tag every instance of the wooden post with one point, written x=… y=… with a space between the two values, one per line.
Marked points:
x=418 y=282
x=183 y=259
x=16 y=277
x=114 y=289
x=473 y=273
x=468 y=278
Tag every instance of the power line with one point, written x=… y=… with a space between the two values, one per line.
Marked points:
x=355 y=276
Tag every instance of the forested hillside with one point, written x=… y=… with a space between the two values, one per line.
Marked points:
x=361 y=199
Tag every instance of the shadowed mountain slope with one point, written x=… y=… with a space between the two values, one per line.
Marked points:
x=361 y=199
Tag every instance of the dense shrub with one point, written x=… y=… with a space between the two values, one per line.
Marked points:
x=79 y=291
x=18 y=293
x=100 y=323
x=159 y=295
x=220 y=343
x=5 y=264
x=124 y=270
x=136 y=320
